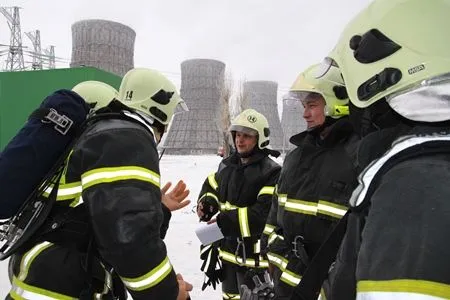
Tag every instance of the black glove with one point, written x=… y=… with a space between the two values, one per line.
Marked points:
x=210 y=207
x=210 y=256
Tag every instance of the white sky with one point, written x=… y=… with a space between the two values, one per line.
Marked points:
x=256 y=39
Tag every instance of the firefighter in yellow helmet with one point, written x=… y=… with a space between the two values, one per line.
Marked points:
x=316 y=181
x=98 y=94
x=240 y=191
x=103 y=237
x=398 y=75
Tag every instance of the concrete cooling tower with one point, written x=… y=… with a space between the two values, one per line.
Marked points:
x=197 y=131
x=292 y=120
x=262 y=96
x=103 y=44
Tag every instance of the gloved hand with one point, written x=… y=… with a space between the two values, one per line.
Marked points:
x=262 y=290
x=210 y=256
x=207 y=208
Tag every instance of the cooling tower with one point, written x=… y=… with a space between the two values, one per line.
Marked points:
x=198 y=131
x=103 y=44
x=262 y=96
x=292 y=120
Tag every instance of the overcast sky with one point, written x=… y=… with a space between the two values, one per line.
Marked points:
x=256 y=39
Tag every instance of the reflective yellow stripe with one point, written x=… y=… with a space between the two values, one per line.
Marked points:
x=104 y=175
x=208 y=195
x=409 y=286
x=301 y=206
x=268 y=229
x=277 y=260
x=65 y=191
x=331 y=209
x=21 y=290
x=150 y=279
x=290 y=278
x=282 y=198
x=212 y=181
x=227 y=206
x=257 y=247
x=273 y=236
x=28 y=258
x=267 y=190
x=230 y=296
x=249 y=262
x=243 y=222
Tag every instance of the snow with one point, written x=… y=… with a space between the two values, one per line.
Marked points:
x=182 y=243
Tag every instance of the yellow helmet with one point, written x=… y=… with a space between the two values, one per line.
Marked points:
x=150 y=92
x=330 y=87
x=393 y=47
x=98 y=94
x=254 y=123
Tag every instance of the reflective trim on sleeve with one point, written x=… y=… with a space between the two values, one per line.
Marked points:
x=402 y=289
x=229 y=296
x=290 y=278
x=212 y=181
x=331 y=209
x=268 y=229
x=150 y=279
x=21 y=290
x=107 y=175
x=282 y=198
x=266 y=190
x=243 y=222
x=249 y=262
x=277 y=260
x=28 y=258
x=273 y=237
x=65 y=191
x=257 y=247
x=227 y=206
x=301 y=206
x=208 y=195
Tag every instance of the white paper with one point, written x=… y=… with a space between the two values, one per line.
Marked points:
x=208 y=233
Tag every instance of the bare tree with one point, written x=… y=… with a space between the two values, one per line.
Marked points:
x=226 y=92
x=240 y=101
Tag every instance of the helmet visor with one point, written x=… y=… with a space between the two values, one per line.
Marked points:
x=426 y=101
x=325 y=66
x=246 y=130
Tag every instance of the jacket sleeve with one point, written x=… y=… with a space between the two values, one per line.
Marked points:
x=249 y=221
x=121 y=190
x=209 y=193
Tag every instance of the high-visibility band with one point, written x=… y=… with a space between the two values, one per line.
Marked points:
x=402 y=289
x=107 y=175
x=257 y=247
x=282 y=198
x=331 y=209
x=208 y=195
x=229 y=296
x=237 y=260
x=273 y=237
x=301 y=206
x=227 y=206
x=277 y=260
x=290 y=278
x=65 y=191
x=266 y=190
x=21 y=290
x=243 y=222
x=212 y=181
x=150 y=279
x=268 y=229
x=28 y=258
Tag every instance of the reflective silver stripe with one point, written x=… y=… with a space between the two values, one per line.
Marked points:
x=369 y=173
x=301 y=206
x=227 y=206
x=28 y=258
x=290 y=278
x=230 y=296
x=273 y=237
x=249 y=262
x=65 y=191
x=243 y=222
x=150 y=279
x=277 y=260
x=21 y=290
x=282 y=198
x=212 y=181
x=208 y=195
x=266 y=190
x=106 y=175
x=268 y=229
x=402 y=289
x=257 y=247
x=331 y=209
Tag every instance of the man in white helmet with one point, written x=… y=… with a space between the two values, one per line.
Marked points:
x=395 y=60
x=240 y=191
x=104 y=234
x=316 y=181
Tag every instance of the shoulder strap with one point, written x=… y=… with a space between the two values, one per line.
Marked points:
x=317 y=270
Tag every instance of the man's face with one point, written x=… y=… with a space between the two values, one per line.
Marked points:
x=245 y=142
x=314 y=113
